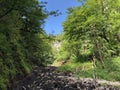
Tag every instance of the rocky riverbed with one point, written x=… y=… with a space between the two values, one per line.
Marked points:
x=47 y=78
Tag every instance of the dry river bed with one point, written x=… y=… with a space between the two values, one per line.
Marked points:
x=47 y=78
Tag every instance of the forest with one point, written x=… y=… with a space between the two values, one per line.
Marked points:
x=89 y=45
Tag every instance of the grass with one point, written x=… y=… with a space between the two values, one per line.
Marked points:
x=26 y=66
x=8 y=74
x=76 y=67
x=111 y=71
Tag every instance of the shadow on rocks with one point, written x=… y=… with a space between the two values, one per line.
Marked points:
x=47 y=78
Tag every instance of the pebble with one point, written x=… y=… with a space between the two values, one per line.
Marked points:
x=48 y=79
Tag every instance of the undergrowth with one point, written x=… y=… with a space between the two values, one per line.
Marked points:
x=111 y=71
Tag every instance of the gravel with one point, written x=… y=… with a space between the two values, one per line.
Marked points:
x=47 y=78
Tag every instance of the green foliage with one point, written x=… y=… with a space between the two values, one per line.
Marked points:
x=92 y=29
x=76 y=67
x=23 y=42
x=92 y=33
x=112 y=67
x=86 y=69
x=74 y=50
x=63 y=51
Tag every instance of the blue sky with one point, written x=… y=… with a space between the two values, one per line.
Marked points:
x=53 y=24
